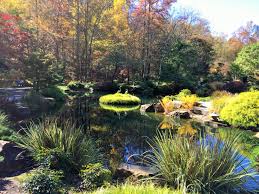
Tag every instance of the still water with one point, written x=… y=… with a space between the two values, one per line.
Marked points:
x=124 y=132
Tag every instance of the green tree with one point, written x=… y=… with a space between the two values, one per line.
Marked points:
x=187 y=61
x=247 y=63
x=42 y=70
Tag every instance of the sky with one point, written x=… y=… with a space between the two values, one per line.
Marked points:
x=224 y=16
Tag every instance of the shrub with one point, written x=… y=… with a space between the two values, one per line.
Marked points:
x=203 y=166
x=76 y=85
x=66 y=138
x=119 y=99
x=219 y=100
x=54 y=92
x=94 y=176
x=55 y=159
x=183 y=93
x=189 y=101
x=6 y=133
x=145 y=188
x=242 y=111
x=43 y=181
x=119 y=108
x=236 y=86
x=167 y=104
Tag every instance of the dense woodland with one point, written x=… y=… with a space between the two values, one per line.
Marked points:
x=55 y=41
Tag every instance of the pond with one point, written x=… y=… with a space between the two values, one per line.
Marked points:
x=123 y=134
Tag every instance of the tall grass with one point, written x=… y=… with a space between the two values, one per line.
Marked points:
x=66 y=138
x=138 y=189
x=203 y=166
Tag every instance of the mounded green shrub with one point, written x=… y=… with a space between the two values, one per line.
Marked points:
x=202 y=165
x=43 y=181
x=184 y=93
x=94 y=176
x=119 y=108
x=54 y=92
x=147 y=188
x=76 y=85
x=243 y=110
x=120 y=99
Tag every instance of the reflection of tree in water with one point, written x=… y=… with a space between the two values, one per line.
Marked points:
x=187 y=129
x=181 y=127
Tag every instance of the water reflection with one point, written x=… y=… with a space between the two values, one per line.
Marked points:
x=122 y=133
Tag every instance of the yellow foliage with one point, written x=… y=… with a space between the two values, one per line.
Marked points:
x=167 y=104
x=220 y=100
x=187 y=129
x=13 y=6
x=188 y=101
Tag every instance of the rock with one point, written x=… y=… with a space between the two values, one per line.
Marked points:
x=257 y=135
x=177 y=104
x=156 y=107
x=126 y=170
x=159 y=108
x=14 y=162
x=147 y=108
x=200 y=111
x=183 y=114
x=49 y=101
x=215 y=117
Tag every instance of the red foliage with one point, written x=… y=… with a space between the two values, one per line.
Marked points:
x=12 y=37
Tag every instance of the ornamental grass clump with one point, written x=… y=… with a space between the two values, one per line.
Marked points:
x=120 y=99
x=69 y=146
x=242 y=110
x=201 y=166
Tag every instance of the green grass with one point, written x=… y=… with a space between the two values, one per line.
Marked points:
x=201 y=167
x=119 y=108
x=120 y=99
x=137 y=189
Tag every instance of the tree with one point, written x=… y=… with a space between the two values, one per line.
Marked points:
x=247 y=63
x=42 y=69
x=149 y=17
x=187 y=62
x=12 y=40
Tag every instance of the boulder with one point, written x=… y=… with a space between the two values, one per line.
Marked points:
x=14 y=161
x=215 y=117
x=147 y=108
x=159 y=108
x=183 y=114
x=125 y=170
x=200 y=111
x=156 y=107
x=177 y=104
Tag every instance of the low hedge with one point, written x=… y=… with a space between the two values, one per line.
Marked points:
x=120 y=99
x=243 y=110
